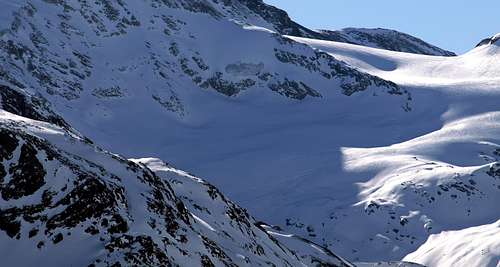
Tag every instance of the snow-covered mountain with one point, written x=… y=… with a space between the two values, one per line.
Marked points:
x=67 y=202
x=384 y=39
x=365 y=152
x=489 y=41
x=211 y=208
x=443 y=180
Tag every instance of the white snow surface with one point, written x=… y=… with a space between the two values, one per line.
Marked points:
x=477 y=68
x=214 y=229
x=387 y=264
x=357 y=174
x=210 y=209
x=475 y=246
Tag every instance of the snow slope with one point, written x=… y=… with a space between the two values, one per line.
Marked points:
x=477 y=68
x=210 y=207
x=384 y=39
x=67 y=202
x=465 y=146
x=367 y=156
x=475 y=246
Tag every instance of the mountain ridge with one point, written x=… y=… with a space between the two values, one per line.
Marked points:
x=385 y=39
x=61 y=192
x=362 y=151
x=489 y=41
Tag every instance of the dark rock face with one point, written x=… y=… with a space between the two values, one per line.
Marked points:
x=27 y=176
x=351 y=80
x=9 y=224
x=90 y=199
x=199 y=6
x=385 y=39
x=35 y=108
x=494 y=171
x=218 y=83
x=142 y=250
x=8 y=144
x=293 y=89
x=495 y=40
x=84 y=197
x=279 y=18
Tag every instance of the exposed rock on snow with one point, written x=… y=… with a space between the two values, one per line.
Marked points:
x=364 y=151
x=489 y=41
x=62 y=194
x=385 y=39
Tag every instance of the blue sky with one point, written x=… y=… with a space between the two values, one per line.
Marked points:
x=456 y=25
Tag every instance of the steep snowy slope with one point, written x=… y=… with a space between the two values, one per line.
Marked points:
x=475 y=246
x=66 y=51
x=384 y=39
x=477 y=68
x=365 y=157
x=66 y=202
x=210 y=207
x=448 y=178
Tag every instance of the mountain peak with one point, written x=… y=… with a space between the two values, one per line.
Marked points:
x=385 y=39
x=495 y=39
